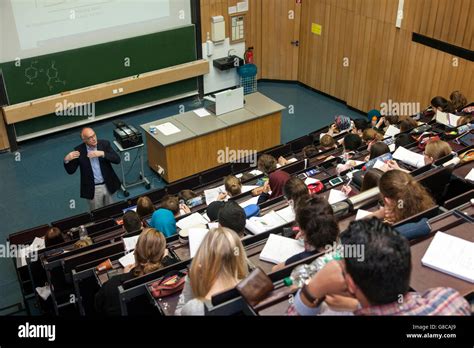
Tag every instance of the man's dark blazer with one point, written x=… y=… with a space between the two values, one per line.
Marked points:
x=87 y=176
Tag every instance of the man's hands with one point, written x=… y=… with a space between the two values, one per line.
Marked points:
x=95 y=154
x=72 y=156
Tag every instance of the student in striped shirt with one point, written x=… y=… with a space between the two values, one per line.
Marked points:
x=378 y=277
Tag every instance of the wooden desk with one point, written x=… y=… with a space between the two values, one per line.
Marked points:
x=195 y=148
x=424 y=278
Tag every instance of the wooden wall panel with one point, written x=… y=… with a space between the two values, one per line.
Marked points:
x=383 y=61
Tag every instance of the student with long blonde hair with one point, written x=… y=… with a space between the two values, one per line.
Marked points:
x=150 y=255
x=219 y=264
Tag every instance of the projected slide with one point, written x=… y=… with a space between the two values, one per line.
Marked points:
x=38 y=21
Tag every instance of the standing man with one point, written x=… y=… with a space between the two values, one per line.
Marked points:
x=98 y=179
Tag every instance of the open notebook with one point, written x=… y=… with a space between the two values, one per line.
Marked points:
x=409 y=157
x=451 y=255
x=273 y=219
x=447 y=119
x=279 y=249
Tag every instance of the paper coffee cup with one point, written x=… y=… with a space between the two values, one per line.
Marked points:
x=105 y=266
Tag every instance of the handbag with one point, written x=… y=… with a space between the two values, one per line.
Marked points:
x=255 y=287
x=170 y=284
x=425 y=138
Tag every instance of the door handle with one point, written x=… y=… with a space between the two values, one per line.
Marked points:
x=295 y=43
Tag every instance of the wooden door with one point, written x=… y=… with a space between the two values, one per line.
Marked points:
x=280 y=39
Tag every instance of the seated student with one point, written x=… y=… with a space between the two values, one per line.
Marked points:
x=385 y=121
x=441 y=104
x=376 y=150
x=403 y=197
x=232 y=216
x=326 y=143
x=132 y=222
x=53 y=237
x=379 y=278
x=191 y=198
x=82 y=243
x=150 y=255
x=319 y=231
x=233 y=187
x=373 y=117
x=310 y=151
x=404 y=140
x=341 y=124
x=434 y=150
x=276 y=179
x=295 y=192
x=145 y=206
x=407 y=123
x=369 y=179
x=458 y=101
x=370 y=136
x=360 y=125
x=164 y=219
x=351 y=143
x=219 y=264
x=213 y=210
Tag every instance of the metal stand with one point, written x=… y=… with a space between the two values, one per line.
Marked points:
x=142 y=180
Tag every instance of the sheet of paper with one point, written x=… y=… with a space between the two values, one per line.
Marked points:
x=292 y=160
x=206 y=217
x=192 y=220
x=127 y=260
x=451 y=255
x=168 y=128
x=392 y=147
x=259 y=224
x=212 y=194
x=378 y=164
x=238 y=176
x=470 y=175
x=286 y=214
x=130 y=242
x=361 y=213
x=38 y=243
x=202 y=112
x=247 y=188
x=310 y=181
x=336 y=196
x=255 y=172
x=212 y=225
x=391 y=131
x=253 y=200
x=442 y=117
x=196 y=235
x=279 y=249
x=409 y=157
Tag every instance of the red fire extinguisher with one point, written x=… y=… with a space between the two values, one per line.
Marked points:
x=248 y=56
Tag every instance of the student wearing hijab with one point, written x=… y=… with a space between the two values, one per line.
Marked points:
x=163 y=219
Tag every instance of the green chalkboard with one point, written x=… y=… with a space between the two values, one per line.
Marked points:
x=65 y=71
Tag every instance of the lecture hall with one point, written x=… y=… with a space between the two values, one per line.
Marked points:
x=236 y=158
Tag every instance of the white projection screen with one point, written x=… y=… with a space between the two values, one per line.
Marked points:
x=30 y=28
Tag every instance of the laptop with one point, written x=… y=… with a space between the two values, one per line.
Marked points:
x=227 y=101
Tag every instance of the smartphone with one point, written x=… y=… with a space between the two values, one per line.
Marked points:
x=336 y=181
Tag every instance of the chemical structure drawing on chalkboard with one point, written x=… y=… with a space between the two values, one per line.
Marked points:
x=52 y=73
x=31 y=72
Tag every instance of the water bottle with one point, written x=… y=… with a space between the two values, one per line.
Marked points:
x=82 y=232
x=300 y=275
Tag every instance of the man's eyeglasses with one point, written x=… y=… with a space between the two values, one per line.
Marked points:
x=90 y=138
